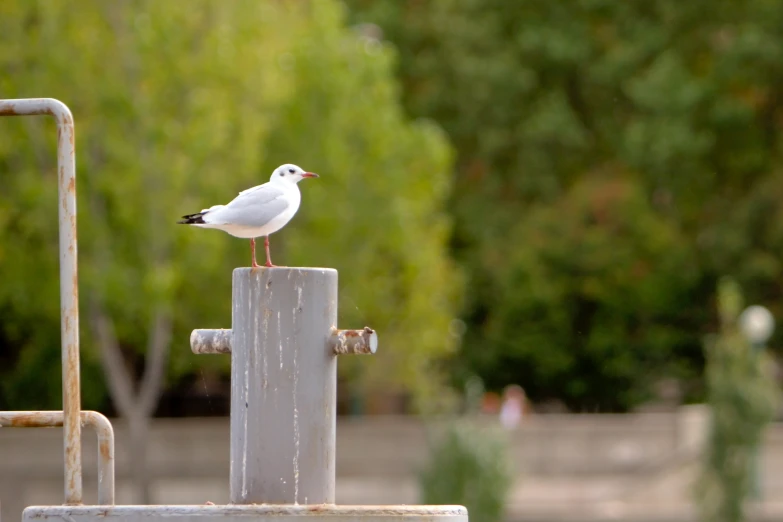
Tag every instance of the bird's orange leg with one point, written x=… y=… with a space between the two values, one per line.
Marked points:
x=268 y=257
x=253 y=252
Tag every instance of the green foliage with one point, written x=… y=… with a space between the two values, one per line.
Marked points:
x=179 y=106
x=580 y=315
x=742 y=395
x=678 y=99
x=468 y=466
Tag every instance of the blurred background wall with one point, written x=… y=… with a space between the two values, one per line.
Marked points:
x=637 y=466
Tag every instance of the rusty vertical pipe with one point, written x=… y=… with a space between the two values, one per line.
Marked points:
x=283 y=386
x=69 y=301
x=69 y=288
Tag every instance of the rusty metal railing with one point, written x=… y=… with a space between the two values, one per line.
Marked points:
x=91 y=419
x=69 y=282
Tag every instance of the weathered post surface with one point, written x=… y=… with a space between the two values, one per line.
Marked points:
x=283 y=386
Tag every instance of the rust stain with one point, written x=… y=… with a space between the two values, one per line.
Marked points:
x=8 y=109
x=32 y=421
x=352 y=341
x=72 y=185
x=72 y=383
x=72 y=487
x=105 y=451
x=73 y=362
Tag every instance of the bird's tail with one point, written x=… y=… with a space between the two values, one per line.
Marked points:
x=193 y=219
x=198 y=218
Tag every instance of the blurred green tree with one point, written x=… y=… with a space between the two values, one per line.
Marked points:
x=743 y=398
x=681 y=98
x=178 y=107
x=580 y=314
x=468 y=465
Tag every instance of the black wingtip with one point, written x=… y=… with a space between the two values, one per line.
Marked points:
x=192 y=219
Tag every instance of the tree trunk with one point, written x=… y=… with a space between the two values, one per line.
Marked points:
x=136 y=407
x=138 y=431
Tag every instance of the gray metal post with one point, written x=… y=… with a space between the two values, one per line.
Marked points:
x=283 y=386
x=284 y=345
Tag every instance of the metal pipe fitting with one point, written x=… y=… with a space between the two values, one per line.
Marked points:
x=211 y=341
x=364 y=341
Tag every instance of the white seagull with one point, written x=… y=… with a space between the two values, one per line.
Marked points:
x=257 y=211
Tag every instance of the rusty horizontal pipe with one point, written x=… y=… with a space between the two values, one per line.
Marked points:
x=37 y=106
x=364 y=341
x=69 y=282
x=92 y=419
x=214 y=341
x=211 y=341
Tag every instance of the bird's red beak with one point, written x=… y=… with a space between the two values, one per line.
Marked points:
x=309 y=175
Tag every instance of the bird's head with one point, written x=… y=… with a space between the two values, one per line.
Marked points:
x=291 y=174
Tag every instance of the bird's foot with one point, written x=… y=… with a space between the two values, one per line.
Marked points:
x=270 y=265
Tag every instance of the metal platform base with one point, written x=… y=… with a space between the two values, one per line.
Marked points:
x=246 y=513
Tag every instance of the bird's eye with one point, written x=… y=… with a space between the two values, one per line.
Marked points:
x=290 y=171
